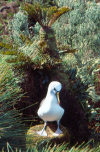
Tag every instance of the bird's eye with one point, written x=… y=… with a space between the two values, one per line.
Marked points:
x=55 y=90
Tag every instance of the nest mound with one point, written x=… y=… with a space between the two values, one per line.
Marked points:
x=32 y=138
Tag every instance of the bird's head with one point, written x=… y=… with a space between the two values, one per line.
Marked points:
x=55 y=87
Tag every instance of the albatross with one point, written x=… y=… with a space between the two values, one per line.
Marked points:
x=50 y=109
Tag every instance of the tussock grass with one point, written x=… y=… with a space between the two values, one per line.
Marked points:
x=55 y=148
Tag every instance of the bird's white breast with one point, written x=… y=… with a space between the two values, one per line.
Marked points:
x=50 y=110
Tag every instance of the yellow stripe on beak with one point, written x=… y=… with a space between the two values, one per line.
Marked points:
x=58 y=97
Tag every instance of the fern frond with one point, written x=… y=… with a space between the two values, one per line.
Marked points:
x=51 y=11
x=42 y=13
x=13 y=53
x=6 y=45
x=35 y=11
x=66 y=49
x=56 y=15
x=25 y=39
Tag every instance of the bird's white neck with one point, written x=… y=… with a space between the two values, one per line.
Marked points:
x=51 y=96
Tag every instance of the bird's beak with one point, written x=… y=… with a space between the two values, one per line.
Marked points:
x=58 y=97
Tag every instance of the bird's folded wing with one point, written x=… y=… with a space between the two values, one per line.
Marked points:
x=41 y=102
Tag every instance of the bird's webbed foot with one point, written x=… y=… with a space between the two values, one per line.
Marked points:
x=58 y=132
x=42 y=133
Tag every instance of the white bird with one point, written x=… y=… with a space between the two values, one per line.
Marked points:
x=50 y=109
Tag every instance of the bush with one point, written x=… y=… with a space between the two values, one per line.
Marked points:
x=19 y=27
x=11 y=125
x=79 y=29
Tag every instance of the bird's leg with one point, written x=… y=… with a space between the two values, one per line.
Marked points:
x=43 y=132
x=58 y=131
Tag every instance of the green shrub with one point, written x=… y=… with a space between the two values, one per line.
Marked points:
x=18 y=27
x=11 y=125
x=79 y=29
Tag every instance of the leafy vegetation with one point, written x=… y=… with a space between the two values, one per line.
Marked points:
x=80 y=30
x=11 y=125
x=19 y=26
x=56 y=148
x=61 y=36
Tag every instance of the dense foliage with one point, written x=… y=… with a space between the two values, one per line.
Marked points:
x=81 y=30
x=11 y=125
x=56 y=148
x=44 y=35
